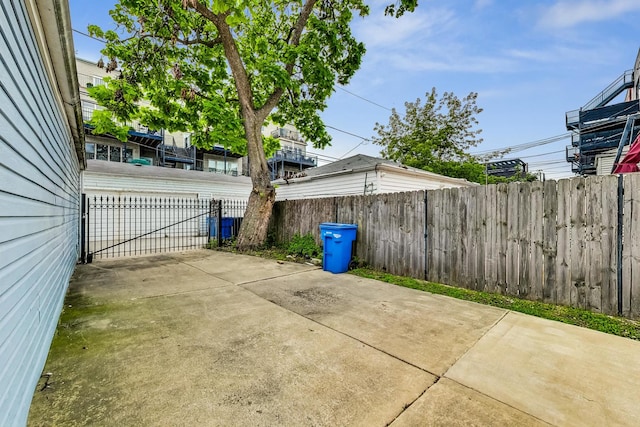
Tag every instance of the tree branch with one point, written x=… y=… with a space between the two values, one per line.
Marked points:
x=295 y=36
x=207 y=43
x=243 y=86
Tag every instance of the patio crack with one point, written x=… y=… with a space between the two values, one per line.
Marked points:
x=437 y=376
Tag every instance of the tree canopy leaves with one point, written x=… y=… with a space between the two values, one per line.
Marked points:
x=437 y=137
x=434 y=136
x=221 y=68
x=174 y=71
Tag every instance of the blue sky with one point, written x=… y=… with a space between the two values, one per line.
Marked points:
x=529 y=61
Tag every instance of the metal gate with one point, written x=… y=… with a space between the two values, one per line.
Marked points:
x=116 y=226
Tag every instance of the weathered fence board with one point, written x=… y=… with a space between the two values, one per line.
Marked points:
x=536 y=258
x=513 y=253
x=631 y=251
x=577 y=235
x=593 y=244
x=553 y=241
x=550 y=242
x=608 y=242
x=501 y=236
x=480 y=239
x=563 y=276
x=524 y=239
x=493 y=258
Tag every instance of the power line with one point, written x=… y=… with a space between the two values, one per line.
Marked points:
x=541 y=154
x=364 y=99
x=348 y=133
x=364 y=140
x=526 y=145
x=88 y=35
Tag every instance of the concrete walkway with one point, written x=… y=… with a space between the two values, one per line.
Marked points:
x=214 y=339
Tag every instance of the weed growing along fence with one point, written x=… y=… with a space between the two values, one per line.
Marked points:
x=573 y=242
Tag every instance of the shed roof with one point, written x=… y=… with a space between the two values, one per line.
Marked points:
x=358 y=162
x=362 y=163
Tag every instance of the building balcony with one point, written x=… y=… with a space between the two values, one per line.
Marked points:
x=287 y=134
x=138 y=133
x=218 y=150
x=293 y=157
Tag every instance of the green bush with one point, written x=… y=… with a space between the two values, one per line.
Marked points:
x=304 y=246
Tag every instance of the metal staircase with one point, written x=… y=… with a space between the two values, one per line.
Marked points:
x=619 y=85
x=597 y=126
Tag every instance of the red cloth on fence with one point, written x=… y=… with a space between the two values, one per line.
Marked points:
x=629 y=162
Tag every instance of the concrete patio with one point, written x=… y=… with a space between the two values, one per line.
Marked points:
x=216 y=339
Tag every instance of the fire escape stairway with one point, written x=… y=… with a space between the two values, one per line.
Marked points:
x=625 y=81
x=574 y=119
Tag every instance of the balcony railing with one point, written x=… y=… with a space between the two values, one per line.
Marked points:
x=86 y=80
x=295 y=157
x=623 y=82
x=136 y=129
x=572 y=119
x=287 y=134
x=200 y=166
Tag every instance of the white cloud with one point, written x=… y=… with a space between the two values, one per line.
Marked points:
x=454 y=62
x=568 y=13
x=481 y=4
x=384 y=31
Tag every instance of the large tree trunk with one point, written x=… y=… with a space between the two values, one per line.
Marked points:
x=255 y=225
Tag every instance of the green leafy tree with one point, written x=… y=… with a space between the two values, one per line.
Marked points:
x=221 y=69
x=435 y=136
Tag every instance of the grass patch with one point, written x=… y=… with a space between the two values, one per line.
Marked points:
x=300 y=251
x=574 y=316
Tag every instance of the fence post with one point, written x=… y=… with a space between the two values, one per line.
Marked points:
x=426 y=242
x=89 y=255
x=219 y=230
x=83 y=230
x=619 y=240
x=209 y=217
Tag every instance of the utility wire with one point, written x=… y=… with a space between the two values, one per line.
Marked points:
x=348 y=133
x=88 y=35
x=364 y=140
x=364 y=99
x=525 y=146
x=541 y=154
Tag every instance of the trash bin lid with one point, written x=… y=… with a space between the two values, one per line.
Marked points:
x=335 y=225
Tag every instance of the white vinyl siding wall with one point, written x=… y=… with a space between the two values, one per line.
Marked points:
x=393 y=182
x=345 y=184
x=354 y=182
x=39 y=212
x=151 y=181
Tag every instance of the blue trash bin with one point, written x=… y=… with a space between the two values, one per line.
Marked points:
x=226 y=227
x=337 y=240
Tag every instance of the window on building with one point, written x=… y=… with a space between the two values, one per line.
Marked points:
x=90 y=149
x=114 y=154
x=217 y=165
x=102 y=152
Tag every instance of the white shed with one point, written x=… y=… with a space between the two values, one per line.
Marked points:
x=42 y=146
x=359 y=175
x=103 y=178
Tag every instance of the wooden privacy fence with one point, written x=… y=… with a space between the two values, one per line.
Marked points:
x=573 y=242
